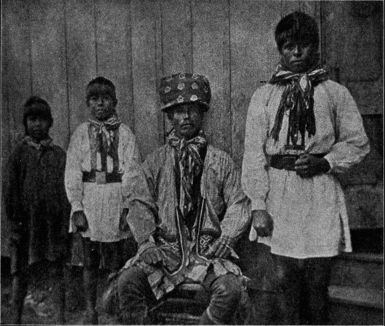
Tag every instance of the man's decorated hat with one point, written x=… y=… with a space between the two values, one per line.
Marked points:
x=184 y=88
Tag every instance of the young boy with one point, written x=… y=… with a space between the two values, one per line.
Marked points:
x=302 y=129
x=99 y=177
x=37 y=207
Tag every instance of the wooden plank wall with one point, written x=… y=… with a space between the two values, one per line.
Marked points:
x=53 y=49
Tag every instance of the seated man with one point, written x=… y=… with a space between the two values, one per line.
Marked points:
x=187 y=215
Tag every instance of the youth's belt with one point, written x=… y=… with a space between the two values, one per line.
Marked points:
x=101 y=177
x=286 y=162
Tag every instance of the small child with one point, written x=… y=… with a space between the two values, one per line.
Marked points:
x=100 y=173
x=37 y=207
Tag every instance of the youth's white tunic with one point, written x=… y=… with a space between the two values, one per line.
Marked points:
x=309 y=214
x=101 y=203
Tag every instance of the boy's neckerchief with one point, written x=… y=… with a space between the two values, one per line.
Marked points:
x=105 y=138
x=106 y=128
x=189 y=157
x=45 y=143
x=297 y=98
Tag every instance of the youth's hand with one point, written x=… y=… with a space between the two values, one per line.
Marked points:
x=79 y=220
x=262 y=223
x=123 y=225
x=308 y=166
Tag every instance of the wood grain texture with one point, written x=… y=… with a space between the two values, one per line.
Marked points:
x=113 y=38
x=253 y=58
x=345 y=23
x=177 y=51
x=17 y=78
x=145 y=75
x=16 y=87
x=54 y=48
x=211 y=56
x=49 y=63
x=81 y=57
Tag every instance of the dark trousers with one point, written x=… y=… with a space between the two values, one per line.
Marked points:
x=302 y=296
x=136 y=296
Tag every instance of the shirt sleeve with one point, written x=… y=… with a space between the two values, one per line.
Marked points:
x=142 y=208
x=131 y=165
x=73 y=176
x=352 y=144
x=255 y=180
x=237 y=216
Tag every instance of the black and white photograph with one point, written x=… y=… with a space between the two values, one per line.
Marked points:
x=192 y=162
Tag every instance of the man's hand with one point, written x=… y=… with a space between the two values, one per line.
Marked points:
x=219 y=249
x=79 y=220
x=123 y=225
x=308 y=166
x=262 y=223
x=152 y=255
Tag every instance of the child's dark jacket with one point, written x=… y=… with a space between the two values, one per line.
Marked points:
x=36 y=205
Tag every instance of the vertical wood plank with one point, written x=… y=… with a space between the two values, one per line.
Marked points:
x=288 y=6
x=81 y=56
x=177 y=36
x=49 y=63
x=177 y=51
x=211 y=50
x=18 y=61
x=16 y=86
x=144 y=70
x=253 y=59
x=113 y=37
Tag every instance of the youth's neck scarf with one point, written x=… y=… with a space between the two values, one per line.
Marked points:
x=297 y=98
x=106 y=129
x=190 y=161
x=105 y=133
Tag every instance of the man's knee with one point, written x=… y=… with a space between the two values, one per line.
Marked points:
x=130 y=279
x=228 y=287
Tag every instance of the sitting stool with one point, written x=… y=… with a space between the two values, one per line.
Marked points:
x=184 y=305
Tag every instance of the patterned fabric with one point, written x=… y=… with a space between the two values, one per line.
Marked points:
x=223 y=213
x=184 y=88
x=297 y=98
x=105 y=132
x=190 y=165
x=163 y=280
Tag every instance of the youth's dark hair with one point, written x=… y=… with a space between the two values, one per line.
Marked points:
x=101 y=81
x=297 y=27
x=37 y=106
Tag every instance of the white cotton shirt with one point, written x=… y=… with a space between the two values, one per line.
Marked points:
x=102 y=203
x=309 y=214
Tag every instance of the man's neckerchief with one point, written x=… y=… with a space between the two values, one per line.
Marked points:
x=190 y=156
x=297 y=98
x=105 y=133
x=45 y=143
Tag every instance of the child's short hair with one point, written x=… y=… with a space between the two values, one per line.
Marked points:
x=37 y=106
x=92 y=90
x=297 y=26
